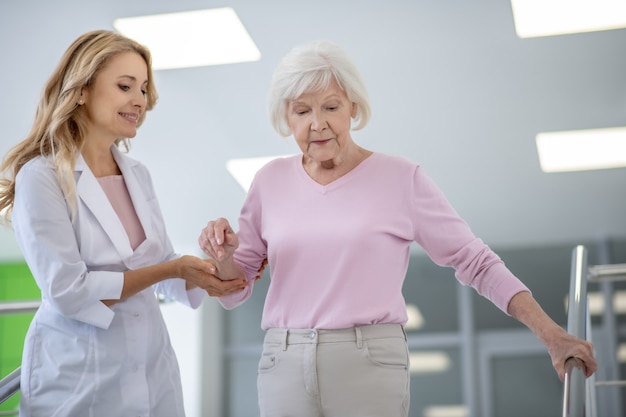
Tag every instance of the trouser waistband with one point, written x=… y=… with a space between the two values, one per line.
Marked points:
x=356 y=334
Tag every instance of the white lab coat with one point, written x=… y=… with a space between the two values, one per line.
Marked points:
x=82 y=358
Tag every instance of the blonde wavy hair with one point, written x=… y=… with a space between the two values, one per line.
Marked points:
x=60 y=123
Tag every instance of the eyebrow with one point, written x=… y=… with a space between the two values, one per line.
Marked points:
x=132 y=77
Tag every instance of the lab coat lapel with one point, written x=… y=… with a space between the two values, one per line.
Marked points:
x=91 y=193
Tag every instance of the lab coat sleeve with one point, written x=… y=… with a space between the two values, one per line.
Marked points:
x=44 y=232
x=176 y=289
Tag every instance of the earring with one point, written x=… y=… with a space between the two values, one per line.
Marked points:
x=80 y=102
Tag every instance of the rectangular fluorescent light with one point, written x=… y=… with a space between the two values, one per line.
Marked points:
x=427 y=362
x=579 y=150
x=415 y=318
x=191 y=39
x=621 y=353
x=535 y=18
x=446 y=411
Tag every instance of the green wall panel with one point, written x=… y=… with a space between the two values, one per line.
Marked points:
x=16 y=284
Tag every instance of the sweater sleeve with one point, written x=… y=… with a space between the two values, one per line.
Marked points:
x=252 y=249
x=449 y=241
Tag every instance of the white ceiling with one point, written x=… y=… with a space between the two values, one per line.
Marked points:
x=452 y=88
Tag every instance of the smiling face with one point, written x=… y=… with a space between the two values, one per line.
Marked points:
x=321 y=123
x=116 y=99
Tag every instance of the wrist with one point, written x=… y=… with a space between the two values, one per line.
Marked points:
x=176 y=267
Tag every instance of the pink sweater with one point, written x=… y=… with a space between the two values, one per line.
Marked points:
x=338 y=254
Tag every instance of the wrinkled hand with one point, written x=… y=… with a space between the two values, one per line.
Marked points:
x=200 y=273
x=564 y=346
x=218 y=239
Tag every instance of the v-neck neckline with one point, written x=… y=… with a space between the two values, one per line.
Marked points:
x=336 y=182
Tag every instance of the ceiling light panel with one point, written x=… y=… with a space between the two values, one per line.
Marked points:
x=580 y=150
x=192 y=39
x=535 y=18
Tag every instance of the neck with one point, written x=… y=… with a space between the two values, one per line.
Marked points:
x=100 y=161
x=327 y=171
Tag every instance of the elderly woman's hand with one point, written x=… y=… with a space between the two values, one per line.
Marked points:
x=218 y=240
x=563 y=346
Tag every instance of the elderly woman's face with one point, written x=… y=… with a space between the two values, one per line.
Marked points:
x=321 y=122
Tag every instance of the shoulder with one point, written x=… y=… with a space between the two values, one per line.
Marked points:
x=393 y=163
x=281 y=162
x=37 y=178
x=274 y=171
x=37 y=167
x=40 y=163
x=279 y=166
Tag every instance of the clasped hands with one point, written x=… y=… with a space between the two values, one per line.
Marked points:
x=201 y=273
x=219 y=241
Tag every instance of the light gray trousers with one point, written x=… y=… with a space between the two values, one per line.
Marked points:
x=357 y=372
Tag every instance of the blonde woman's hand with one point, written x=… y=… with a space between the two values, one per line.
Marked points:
x=201 y=273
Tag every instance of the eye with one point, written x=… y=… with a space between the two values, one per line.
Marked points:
x=332 y=108
x=144 y=92
x=124 y=87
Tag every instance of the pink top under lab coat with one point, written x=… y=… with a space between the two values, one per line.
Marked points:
x=338 y=253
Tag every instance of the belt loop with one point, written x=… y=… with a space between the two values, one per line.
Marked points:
x=284 y=341
x=359 y=337
x=404 y=332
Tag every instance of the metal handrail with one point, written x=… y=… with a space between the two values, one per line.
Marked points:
x=574 y=387
x=573 y=367
x=614 y=272
x=611 y=383
x=17 y=307
x=10 y=384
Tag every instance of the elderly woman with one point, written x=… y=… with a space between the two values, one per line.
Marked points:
x=336 y=224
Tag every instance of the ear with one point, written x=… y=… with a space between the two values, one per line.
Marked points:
x=84 y=94
x=354 y=109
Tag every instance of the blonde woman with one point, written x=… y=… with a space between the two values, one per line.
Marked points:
x=87 y=220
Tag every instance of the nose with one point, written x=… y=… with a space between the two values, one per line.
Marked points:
x=139 y=99
x=318 y=121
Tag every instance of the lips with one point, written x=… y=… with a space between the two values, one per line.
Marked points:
x=321 y=142
x=132 y=117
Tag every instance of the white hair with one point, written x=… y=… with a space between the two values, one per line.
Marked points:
x=310 y=68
